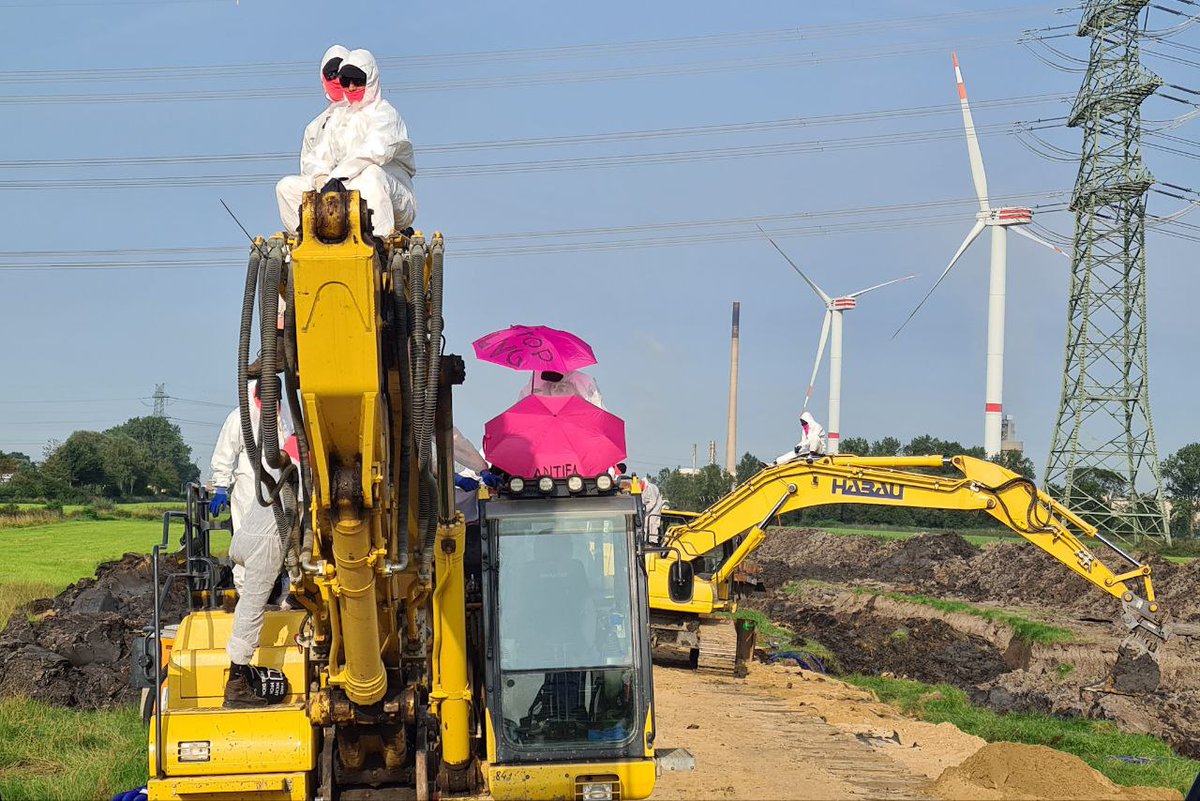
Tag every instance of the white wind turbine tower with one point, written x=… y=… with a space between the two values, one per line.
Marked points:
x=831 y=329
x=1000 y=220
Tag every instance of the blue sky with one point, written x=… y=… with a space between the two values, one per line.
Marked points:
x=82 y=346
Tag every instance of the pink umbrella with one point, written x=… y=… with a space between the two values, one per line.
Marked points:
x=535 y=347
x=556 y=436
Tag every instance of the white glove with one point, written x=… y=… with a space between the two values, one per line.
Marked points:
x=319 y=181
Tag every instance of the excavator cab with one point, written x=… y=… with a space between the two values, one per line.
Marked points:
x=569 y=690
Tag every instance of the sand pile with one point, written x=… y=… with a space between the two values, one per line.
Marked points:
x=1011 y=772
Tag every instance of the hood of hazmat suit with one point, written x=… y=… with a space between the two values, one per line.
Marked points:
x=575 y=382
x=315 y=156
x=370 y=132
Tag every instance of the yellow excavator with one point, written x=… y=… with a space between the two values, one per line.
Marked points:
x=409 y=674
x=689 y=608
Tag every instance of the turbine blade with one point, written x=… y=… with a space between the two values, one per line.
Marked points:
x=977 y=173
x=1019 y=229
x=976 y=229
x=880 y=286
x=817 y=362
x=807 y=280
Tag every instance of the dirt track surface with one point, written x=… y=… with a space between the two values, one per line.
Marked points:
x=786 y=733
x=872 y=633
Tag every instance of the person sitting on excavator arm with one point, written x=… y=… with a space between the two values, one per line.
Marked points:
x=315 y=157
x=256 y=551
x=812 y=440
x=369 y=149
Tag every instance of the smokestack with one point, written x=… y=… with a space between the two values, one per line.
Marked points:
x=731 y=427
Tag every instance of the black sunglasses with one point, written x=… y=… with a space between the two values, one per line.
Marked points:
x=330 y=70
x=352 y=76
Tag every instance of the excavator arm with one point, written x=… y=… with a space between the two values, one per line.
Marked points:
x=892 y=481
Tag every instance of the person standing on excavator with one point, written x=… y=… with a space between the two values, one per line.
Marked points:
x=316 y=159
x=256 y=552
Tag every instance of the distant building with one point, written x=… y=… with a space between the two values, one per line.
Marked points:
x=688 y=471
x=1008 y=435
x=6 y=477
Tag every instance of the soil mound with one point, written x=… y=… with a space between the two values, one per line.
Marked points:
x=925 y=649
x=948 y=565
x=1015 y=772
x=73 y=650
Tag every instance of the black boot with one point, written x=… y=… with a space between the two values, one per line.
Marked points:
x=250 y=686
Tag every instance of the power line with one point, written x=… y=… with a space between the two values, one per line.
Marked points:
x=557 y=141
x=758 y=38
x=903 y=215
x=521 y=81
x=525 y=166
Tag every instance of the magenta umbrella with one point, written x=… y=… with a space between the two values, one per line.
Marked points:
x=557 y=436
x=535 y=347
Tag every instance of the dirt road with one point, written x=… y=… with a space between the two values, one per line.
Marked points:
x=785 y=733
x=755 y=738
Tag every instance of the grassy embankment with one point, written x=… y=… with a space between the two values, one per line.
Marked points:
x=1098 y=743
x=50 y=753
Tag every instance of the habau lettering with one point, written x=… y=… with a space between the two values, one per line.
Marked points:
x=868 y=489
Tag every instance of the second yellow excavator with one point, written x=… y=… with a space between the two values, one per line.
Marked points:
x=689 y=608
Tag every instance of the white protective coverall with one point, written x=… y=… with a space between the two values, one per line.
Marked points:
x=371 y=152
x=575 y=382
x=256 y=551
x=813 y=442
x=316 y=159
x=467 y=456
x=654 y=502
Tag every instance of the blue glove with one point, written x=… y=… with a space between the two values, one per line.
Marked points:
x=466 y=484
x=490 y=479
x=219 y=501
x=131 y=795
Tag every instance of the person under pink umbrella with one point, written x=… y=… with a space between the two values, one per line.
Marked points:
x=555 y=384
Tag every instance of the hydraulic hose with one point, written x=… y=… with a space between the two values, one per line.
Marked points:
x=245 y=332
x=292 y=381
x=433 y=377
x=402 y=338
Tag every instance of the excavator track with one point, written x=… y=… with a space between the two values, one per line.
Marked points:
x=718 y=646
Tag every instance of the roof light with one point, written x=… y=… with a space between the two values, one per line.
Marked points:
x=604 y=482
x=546 y=484
x=516 y=485
x=575 y=483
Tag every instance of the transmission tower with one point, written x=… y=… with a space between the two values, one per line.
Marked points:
x=1103 y=438
x=160 y=400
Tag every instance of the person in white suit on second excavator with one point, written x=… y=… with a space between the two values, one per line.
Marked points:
x=811 y=444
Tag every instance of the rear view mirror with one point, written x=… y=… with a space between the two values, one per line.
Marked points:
x=680 y=578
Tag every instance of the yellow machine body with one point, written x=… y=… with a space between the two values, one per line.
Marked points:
x=206 y=745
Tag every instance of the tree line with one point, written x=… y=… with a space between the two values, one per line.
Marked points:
x=694 y=492
x=142 y=457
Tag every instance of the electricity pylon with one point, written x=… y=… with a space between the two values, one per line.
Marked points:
x=1103 y=444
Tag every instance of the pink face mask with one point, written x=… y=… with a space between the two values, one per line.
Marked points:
x=333 y=89
x=355 y=95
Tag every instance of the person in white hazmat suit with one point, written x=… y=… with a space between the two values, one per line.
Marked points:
x=255 y=550
x=575 y=382
x=369 y=148
x=316 y=159
x=812 y=441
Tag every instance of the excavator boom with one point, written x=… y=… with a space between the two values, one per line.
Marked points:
x=740 y=520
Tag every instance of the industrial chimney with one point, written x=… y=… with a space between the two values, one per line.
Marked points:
x=731 y=428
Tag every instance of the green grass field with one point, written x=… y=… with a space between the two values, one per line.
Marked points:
x=1097 y=743
x=67 y=755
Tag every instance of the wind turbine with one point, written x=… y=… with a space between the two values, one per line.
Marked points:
x=831 y=330
x=1000 y=220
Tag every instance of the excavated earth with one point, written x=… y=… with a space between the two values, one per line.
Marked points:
x=841 y=592
x=74 y=650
